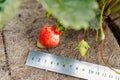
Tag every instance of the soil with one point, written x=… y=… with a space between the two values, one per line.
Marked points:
x=20 y=35
x=3 y=66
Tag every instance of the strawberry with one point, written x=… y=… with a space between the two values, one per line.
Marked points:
x=83 y=47
x=48 y=37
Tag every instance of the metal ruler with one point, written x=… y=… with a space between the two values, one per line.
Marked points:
x=71 y=67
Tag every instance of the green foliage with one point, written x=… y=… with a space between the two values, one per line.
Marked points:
x=1 y=1
x=94 y=24
x=74 y=14
x=8 y=9
x=115 y=9
x=111 y=7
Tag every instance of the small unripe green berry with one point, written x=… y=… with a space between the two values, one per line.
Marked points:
x=83 y=47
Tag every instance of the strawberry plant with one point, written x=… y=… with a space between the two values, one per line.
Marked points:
x=83 y=14
x=70 y=14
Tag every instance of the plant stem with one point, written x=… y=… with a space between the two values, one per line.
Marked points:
x=101 y=23
x=101 y=52
x=104 y=61
x=110 y=4
x=101 y=2
x=96 y=35
x=85 y=31
x=115 y=3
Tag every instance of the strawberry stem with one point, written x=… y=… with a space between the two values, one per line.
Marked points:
x=96 y=35
x=101 y=53
x=104 y=61
x=110 y=4
x=85 y=31
x=101 y=22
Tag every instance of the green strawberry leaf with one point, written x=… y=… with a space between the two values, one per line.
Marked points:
x=1 y=1
x=74 y=14
x=8 y=9
x=94 y=24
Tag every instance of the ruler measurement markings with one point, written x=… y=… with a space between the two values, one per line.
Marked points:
x=69 y=67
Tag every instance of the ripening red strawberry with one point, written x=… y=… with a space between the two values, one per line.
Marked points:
x=48 y=37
